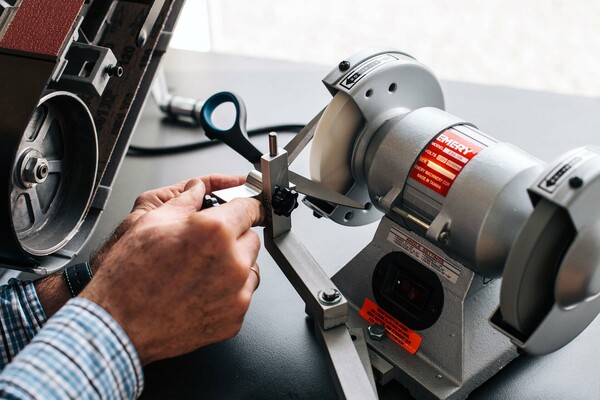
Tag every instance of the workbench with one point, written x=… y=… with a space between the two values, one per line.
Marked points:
x=276 y=354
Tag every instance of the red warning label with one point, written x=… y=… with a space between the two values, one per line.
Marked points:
x=442 y=161
x=395 y=329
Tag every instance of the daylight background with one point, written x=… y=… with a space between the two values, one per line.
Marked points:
x=550 y=45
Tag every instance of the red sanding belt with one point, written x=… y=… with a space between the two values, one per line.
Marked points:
x=41 y=26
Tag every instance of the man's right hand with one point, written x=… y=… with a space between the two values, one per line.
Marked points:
x=180 y=278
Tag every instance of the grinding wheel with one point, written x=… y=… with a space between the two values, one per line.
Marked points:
x=333 y=142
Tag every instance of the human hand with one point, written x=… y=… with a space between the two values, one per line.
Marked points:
x=53 y=291
x=178 y=279
x=153 y=199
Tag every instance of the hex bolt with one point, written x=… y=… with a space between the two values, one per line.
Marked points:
x=376 y=332
x=330 y=296
x=114 y=71
x=344 y=66
x=35 y=171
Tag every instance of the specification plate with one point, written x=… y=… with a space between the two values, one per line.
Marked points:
x=434 y=261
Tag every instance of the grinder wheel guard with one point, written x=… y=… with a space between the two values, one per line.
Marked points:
x=54 y=174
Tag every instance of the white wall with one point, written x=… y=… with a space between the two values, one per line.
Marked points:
x=192 y=31
x=539 y=44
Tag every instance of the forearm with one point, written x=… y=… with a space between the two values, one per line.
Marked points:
x=53 y=291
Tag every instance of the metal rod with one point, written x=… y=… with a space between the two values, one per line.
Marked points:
x=272 y=144
x=410 y=217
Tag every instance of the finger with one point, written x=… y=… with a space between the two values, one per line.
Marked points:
x=239 y=214
x=252 y=282
x=191 y=183
x=254 y=278
x=218 y=181
x=248 y=246
x=155 y=198
x=152 y=199
x=186 y=202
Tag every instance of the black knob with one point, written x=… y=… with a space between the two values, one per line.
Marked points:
x=284 y=201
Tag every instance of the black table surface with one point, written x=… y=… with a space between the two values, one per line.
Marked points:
x=276 y=356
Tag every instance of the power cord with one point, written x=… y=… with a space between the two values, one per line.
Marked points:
x=140 y=151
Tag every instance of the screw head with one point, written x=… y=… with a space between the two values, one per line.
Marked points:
x=376 y=332
x=344 y=66
x=576 y=182
x=444 y=237
x=330 y=296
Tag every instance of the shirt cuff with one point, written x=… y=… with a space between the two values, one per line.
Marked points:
x=81 y=353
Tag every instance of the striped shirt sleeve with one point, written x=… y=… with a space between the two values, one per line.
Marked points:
x=81 y=353
x=21 y=317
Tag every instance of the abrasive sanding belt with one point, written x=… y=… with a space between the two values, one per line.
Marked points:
x=41 y=26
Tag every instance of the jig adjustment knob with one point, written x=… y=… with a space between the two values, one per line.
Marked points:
x=284 y=201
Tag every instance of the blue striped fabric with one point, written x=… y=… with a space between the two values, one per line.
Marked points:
x=81 y=353
x=21 y=317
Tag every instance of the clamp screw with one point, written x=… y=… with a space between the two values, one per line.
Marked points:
x=330 y=296
x=114 y=70
x=284 y=201
x=376 y=332
x=344 y=66
x=575 y=182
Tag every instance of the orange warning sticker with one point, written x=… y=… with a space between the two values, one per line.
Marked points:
x=442 y=161
x=395 y=329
